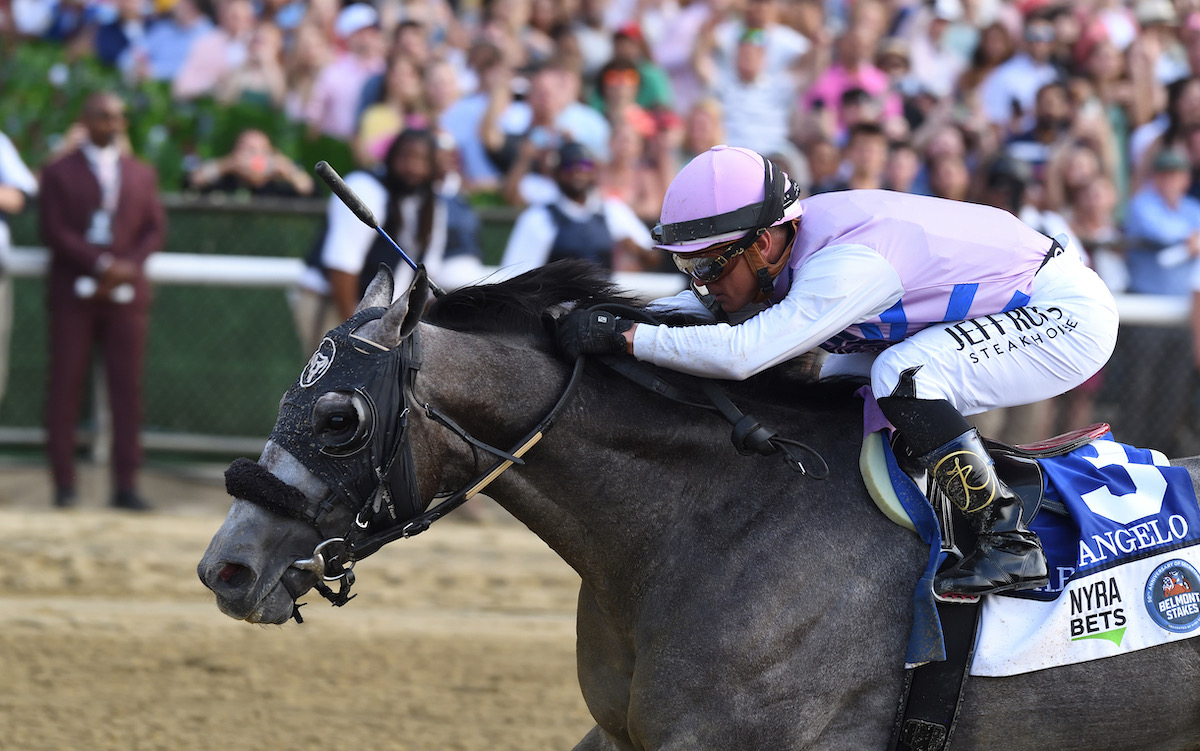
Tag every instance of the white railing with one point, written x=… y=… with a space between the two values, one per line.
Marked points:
x=282 y=273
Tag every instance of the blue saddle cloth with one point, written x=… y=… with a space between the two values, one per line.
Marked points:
x=1125 y=504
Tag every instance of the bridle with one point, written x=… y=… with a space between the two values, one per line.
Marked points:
x=377 y=521
x=390 y=376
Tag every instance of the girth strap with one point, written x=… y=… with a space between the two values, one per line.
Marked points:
x=933 y=692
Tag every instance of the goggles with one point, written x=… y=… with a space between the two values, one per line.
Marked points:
x=708 y=268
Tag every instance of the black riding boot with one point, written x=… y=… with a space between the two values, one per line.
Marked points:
x=1007 y=556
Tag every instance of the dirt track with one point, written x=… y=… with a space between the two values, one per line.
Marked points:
x=461 y=638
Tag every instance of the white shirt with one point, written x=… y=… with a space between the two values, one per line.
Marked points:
x=348 y=240
x=1018 y=78
x=533 y=235
x=13 y=174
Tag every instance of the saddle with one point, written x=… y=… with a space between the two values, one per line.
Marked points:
x=933 y=690
x=1017 y=465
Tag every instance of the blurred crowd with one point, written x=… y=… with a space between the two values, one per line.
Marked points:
x=1081 y=117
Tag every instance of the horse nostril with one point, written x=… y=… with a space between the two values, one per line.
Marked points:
x=235 y=575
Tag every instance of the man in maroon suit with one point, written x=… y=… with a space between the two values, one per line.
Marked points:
x=101 y=218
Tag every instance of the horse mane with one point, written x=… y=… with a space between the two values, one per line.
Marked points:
x=526 y=305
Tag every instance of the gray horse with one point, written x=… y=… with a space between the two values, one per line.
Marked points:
x=727 y=602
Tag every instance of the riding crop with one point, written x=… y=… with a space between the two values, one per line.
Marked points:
x=360 y=210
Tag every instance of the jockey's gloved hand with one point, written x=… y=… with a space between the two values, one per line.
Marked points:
x=592 y=332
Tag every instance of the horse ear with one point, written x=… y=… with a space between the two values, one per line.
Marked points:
x=404 y=314
x=379 y=291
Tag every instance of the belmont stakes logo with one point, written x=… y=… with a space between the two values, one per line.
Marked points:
x=319 y=364
x=1173 y=596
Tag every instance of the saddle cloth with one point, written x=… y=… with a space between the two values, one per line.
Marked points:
x=1124 y=565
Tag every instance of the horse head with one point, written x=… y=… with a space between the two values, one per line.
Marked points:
x=338 y=460
x=360 y=450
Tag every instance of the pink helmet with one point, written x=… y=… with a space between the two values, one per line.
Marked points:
x=722 y=195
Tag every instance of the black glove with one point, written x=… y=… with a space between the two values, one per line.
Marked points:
x=592 y=332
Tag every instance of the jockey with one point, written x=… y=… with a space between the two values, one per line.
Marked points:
x=951 y=308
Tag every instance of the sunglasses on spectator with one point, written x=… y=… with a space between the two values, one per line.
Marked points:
x=708 y=268
x=618 y=77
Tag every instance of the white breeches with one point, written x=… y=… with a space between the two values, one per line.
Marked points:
x=1059 y=339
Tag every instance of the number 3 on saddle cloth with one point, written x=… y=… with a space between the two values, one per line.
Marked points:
x=1121 y=531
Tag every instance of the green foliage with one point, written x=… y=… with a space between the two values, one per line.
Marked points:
x=43 y=94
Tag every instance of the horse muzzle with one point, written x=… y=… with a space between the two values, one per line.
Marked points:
x=254 y=578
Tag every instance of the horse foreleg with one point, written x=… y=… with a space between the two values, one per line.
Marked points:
x=598 y=740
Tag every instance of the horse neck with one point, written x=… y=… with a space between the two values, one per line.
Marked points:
x=623 y=478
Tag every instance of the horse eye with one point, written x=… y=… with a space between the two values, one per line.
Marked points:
x=341 y=422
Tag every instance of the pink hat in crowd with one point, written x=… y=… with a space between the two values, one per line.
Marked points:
x=717 y=198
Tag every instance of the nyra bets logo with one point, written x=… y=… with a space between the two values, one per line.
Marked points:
x=319 y=364
x=1173 y=596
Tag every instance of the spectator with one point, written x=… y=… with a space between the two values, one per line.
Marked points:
x=1092 y=217
x=1052 y=118
x=261 y=80
x=216 y=53
x=702 y=129
x=937 y=64
x=635 y=178
x=996 y=46
x=402 y=192
x=593 y=37
x=309 y=54
x=948 y=176
x=1159 y=24
x=333 y=107
x=757 y=101
x=903 y=163
x=784 y=48
x=654 y=86
x=537 y=35
x=1162 y=229
x=865 y=156
x=17 y=185
x=580 y=224
x=1007 y=94
x=1168 y=130
x=824 y=165
x=1162 y=233
x=410 y=42
x=101 y=218
x=463 y=118
x=168 y=42
x=114 y=42
x=402 y=104
x=853 y=69
x=254 y=167
x=672 y=31
x=520 y=137
x=616 y=97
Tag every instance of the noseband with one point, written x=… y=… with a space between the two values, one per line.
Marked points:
x=372 y=463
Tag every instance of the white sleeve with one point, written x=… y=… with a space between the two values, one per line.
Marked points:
x=531 y=240
x=623 y=224
x=836 y=287
x=13 y=171
x=348 y=239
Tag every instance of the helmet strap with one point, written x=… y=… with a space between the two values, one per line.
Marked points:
x=766 y=272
